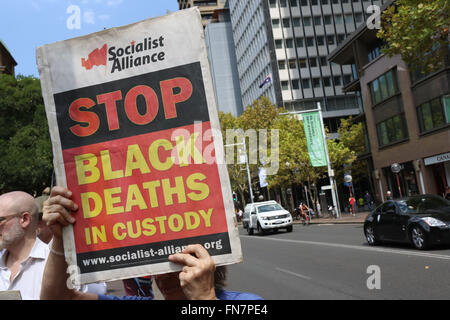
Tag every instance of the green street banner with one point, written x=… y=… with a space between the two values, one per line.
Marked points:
x=314 y=139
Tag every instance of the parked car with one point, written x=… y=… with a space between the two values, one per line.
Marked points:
x=266 y=216
x=423 y=221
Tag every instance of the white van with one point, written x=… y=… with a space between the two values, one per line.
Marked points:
x=266 y=216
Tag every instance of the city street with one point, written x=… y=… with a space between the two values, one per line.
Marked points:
x=331 y=262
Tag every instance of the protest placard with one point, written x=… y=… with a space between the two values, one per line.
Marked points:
x=131 y=112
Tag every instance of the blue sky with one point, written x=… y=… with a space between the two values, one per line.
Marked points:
x=28 y=24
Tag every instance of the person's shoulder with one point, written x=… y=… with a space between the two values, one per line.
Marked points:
x=235 y=295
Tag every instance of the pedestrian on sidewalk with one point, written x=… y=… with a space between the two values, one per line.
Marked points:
x=368 y=200
x=351 y=201
x=389 y=195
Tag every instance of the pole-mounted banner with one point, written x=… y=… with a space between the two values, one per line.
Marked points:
x=314 y=139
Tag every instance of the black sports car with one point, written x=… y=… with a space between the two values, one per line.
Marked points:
x=421 y=220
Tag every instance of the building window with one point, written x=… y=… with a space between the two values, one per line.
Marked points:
x=299 y=42
x=302 y=63
x=330 y=40
x=282 y=64
x=392 y=130
x=320 y=40
x=337 y=80
x=316 y=82
x=384 y=87
x=434 y=114
x=278 y=44
x=309 y=41
x=273 y=3
x=373 y=54
x=275 y=23
x=312 y=62
x=286 y=23
x=284 y=85
x=295 y=84
x=289 y=43
x=305 y=83
x=307 y=21
x=292 y=64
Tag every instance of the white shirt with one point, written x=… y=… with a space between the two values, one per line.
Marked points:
x=29 y=278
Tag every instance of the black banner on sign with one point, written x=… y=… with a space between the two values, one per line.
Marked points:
x=146 y=103
x=215 y=244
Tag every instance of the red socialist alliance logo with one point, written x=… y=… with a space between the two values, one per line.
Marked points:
x=98 y=57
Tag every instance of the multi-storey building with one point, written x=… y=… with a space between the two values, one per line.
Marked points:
x=222 y=59
x=206 y=7
x=290 y=41
x=221 y=53
x=407 y=116
x=7 y=62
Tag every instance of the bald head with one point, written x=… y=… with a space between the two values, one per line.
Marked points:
x=17 y=202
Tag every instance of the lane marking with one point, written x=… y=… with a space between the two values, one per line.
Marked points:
x=294 y=274
x=353 y=247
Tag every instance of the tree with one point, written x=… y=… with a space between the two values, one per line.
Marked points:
x=418 y=31
x=25 y=146
x=352 y=136
x=238 y=178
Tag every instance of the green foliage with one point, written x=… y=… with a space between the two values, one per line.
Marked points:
x=294 y=162
x=418 y=31
x=25 y=147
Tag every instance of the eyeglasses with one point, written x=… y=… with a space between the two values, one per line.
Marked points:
x=3 y=219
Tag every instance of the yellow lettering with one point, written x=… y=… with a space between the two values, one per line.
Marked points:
x=110 y=201
x=188 y=217
x=117 y=235
x=180 y=223
x=147 y=224
x=188 y=149
x=108 y=172
x=86 y=204
x=151 y=187
x=170 y=191
x=197 y=186
x=154 y=157
x=162 y=226
x=134 y=198
x=206 y=217
x=86 y=163
x=135 y=160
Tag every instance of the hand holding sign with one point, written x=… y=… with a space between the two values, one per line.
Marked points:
x=197 y=276
x=57 y=210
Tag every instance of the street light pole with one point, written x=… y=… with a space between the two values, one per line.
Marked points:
x=330 y=171
x=334 y=194
x=246 y=165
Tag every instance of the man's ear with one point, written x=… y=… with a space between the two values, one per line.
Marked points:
x=25 y=219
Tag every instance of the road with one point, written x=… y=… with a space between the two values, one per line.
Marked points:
x=334 y=262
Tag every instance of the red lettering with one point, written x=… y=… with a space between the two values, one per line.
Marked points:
x=92 y=120
x=151 y=101
x=170 y=99
x=109 y=99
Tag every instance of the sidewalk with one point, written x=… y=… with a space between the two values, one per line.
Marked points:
x=345 y=218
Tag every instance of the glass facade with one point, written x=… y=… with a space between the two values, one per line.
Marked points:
x=298 y=34
x=434 y=114
x=384 y=87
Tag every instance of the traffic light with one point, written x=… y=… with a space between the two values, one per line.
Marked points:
x=234 y=196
